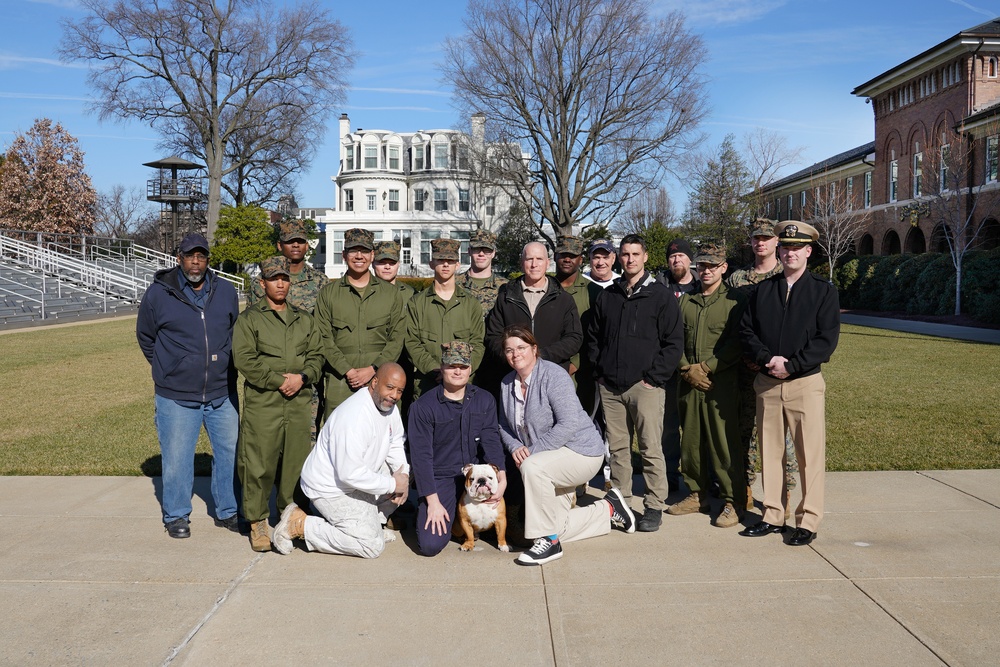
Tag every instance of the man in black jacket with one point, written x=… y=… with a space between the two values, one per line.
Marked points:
x=185 y=331
x=790 y=327
x=634 y=341
x=538 y=302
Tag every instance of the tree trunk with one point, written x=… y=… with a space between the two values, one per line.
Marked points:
x=958 y=286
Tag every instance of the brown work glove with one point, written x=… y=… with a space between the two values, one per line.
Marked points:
x=697 y=376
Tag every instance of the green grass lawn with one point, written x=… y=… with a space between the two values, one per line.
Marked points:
x=79 y=401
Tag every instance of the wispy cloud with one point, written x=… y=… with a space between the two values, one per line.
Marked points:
x=719 y=12
x=67 y=4
x=403 y=91
x=978 y=10
x=43 y=96
x=19 y=62
x=421 y=109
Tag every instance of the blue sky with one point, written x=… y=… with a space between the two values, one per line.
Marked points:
x=786 y=65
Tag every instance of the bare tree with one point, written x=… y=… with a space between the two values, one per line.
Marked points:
x=958 y=196
x=122 y=212
x=766 y=154
x=840 y=221
x=212 y=69
x=602 y=97
x=644 y=209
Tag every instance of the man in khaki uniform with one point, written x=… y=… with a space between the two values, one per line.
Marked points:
x=708 y=395
x=765 y=264
x=442 y=313
x=479 y=280
x=360 y=317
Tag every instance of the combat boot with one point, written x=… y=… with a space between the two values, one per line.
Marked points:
x=259 y=539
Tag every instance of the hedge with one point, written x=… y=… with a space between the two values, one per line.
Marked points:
x=921 y=284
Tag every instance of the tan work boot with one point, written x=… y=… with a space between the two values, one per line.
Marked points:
x=749 y=497
x=259 y=539
x=291 y=527
x=727 y=517
x=689 y=505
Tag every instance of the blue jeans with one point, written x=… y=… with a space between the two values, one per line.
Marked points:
x=177 y=428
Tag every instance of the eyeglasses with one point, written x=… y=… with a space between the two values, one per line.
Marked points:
x=709 y=267
x=480 y=251
x=200 y=256
x=509 y=351
x=357 y=251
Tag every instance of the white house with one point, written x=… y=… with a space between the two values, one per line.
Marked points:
x=410 y=187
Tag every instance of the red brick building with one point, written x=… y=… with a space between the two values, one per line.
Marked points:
x=933 y=163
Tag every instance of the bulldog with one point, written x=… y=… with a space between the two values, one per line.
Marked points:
x=474 y=513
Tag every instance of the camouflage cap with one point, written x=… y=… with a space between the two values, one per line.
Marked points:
x=569 y=245
x=601 y=244
x=483 y=238
x=794 y=232
x=710 y=253
x=456 y=353
x=274 y=266
x=386 y=250
x=445 y=249
x=291 y=230
x=763 y=227
x=359 y=238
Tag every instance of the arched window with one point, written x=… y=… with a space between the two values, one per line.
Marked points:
x=989 y=235
x=866 y=246
x=939 y=238
x=991 y=67
x=915 y=243
x=890 y=243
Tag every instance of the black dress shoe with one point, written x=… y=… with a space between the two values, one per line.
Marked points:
x=801 y=537
x=178 y=528
x=232 y=523
x=761 y=529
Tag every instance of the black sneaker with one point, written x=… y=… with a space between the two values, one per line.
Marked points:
x=543 y=551
x=621 y=513
x=650 y=521
x=178 y=528
x=232 y=523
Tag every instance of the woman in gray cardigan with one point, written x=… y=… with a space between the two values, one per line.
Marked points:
x=556 y=448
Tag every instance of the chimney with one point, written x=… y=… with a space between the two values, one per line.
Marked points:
x=345 y=125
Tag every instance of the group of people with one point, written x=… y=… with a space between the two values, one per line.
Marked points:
x=547 y=379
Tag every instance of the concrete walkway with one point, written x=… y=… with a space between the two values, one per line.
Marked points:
x=905 y=571
x=974 y=334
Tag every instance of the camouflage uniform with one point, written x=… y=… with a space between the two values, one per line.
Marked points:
x=484 y=290
x=745 y=280
x=302 y=292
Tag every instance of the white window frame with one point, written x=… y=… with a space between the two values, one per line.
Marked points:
x=370 y=161
x=393 y=200
x=440 y=155
x=918 y=174
x=491 y=205
x=394 y=157
x=893 y=180
x=418 y=157
x=463 y=200
x=945 y=157
x=371 y=199
x=348 y=204
x=868 y=189
x=420 y=200
x=991 y=157
x=440 y=199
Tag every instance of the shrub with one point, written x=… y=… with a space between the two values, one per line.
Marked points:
x=934 y=290
x=872 y=289
x=981 y=286
x=898 y=289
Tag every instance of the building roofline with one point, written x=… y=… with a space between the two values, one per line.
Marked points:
x=962 y=42
x=857 y=154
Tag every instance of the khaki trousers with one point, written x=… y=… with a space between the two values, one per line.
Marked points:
x=639 y=409
x=800 y=406
x=550 y=481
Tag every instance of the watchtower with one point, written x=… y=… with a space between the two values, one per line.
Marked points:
x=172 y=192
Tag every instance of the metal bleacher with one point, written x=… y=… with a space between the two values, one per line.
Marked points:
x=53 y=277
